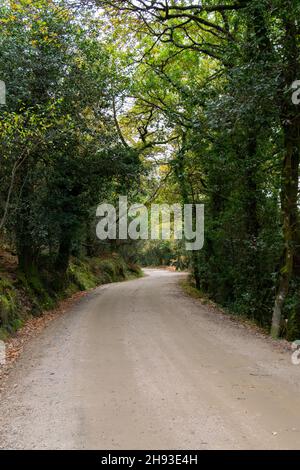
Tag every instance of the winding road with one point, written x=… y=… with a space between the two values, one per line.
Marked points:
x=140 y=365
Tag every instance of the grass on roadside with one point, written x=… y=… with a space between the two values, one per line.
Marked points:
x=23 y=296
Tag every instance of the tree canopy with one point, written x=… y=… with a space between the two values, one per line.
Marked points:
x=165 y=101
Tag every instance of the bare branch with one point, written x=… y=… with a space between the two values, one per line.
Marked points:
x=118 y=125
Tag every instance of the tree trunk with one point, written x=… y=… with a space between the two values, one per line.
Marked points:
x=26 y=258
x=64 y=253
x=290 y=175
x=185 y=196
x=289 y=192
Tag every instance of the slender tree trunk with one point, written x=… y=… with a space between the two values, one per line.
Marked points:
x=289 y=193
x=25 y=244
x=15 y=168
x=251 y=203
x=290 y=175
x=185 y=195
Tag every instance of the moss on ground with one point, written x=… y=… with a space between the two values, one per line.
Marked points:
x=9 y=306
x=35 y=292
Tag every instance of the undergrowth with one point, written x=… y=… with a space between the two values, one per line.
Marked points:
x=23 y=295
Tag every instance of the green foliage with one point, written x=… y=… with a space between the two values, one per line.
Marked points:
x=61 y=154
x=41 y=290
x=9 y=304
x=90 y=272
x=163 y=253
x=174 y=102
x=215 y=81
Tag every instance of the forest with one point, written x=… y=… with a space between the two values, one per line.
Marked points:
x=168 y=101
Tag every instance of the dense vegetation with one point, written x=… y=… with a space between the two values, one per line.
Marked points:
x=60 y=154
x=165 y=101
x=218 y=78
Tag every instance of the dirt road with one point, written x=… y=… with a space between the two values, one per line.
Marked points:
x=139 y=365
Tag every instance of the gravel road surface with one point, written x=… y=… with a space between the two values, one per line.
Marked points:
x=139 y=365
